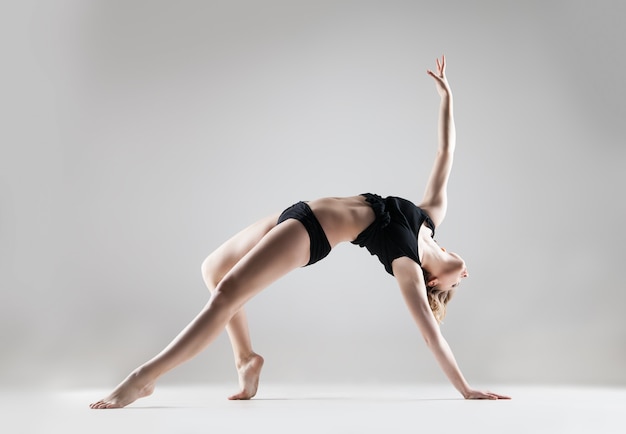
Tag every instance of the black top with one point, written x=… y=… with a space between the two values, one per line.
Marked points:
x=394 y=232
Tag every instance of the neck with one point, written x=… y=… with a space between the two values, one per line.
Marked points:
x=433 y=258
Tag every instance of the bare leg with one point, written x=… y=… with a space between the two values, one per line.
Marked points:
x=281 y=250
x=214 y=268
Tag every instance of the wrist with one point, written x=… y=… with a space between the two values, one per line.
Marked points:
x=466 y=391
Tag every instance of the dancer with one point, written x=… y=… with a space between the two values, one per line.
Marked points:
x=398 y=232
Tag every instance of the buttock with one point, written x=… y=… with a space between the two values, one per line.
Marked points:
x=319 y=245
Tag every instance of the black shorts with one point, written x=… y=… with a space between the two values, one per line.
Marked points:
x=319 y=245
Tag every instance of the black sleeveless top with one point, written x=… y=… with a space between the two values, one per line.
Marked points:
x=393 y=234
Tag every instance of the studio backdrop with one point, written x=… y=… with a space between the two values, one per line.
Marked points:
x=137 y=136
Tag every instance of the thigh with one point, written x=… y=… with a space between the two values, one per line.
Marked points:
x=218 y=263
x=283 y=249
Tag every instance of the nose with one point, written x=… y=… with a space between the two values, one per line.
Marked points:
x=464 y=273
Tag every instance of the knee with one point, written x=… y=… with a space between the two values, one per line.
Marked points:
x=227 y=294
x=209 y=273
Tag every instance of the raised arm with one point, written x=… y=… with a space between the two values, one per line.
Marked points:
x=411 y=281
x=435 y=201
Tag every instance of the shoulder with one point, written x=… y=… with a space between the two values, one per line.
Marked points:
x=410 y=279
x=434 y=213
x=406 y=269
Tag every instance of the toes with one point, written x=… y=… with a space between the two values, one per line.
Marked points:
x=100 y=404
x=239 y=396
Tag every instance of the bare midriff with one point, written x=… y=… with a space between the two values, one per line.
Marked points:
x=342 y=218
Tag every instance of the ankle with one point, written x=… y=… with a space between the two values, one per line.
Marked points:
x=145 y=374
x=245 y=359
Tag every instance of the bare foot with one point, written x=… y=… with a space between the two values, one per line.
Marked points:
x=135 y=386
x=249 y=374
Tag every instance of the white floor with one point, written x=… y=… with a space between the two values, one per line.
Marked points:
x=321 y=409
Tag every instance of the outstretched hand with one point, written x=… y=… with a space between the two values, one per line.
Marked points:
x=440 y=78
x=477 y=394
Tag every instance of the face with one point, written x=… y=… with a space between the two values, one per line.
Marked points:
x=452 y=275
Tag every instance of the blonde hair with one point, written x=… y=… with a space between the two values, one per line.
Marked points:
x=437 y=299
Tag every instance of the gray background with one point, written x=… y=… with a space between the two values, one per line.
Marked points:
x=139 y=135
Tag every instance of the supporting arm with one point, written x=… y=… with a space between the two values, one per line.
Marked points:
x=411 y=281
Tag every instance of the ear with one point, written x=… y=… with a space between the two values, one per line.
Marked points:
x=432 y=282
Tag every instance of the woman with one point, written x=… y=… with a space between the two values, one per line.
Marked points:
x=392 y=228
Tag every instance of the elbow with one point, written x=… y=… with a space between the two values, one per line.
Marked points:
x=432 y=340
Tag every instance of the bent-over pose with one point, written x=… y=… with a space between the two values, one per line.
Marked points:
x=398 y=232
